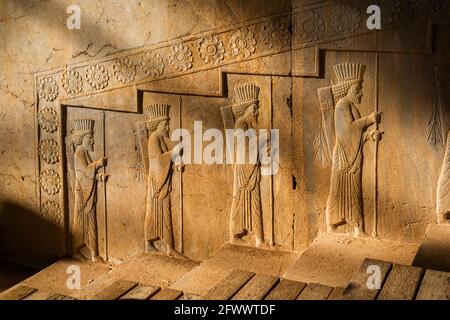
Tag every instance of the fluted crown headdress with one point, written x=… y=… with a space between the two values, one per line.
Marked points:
x=81 y=127
x=347 y=74
x=157 y=113
x=246 y=95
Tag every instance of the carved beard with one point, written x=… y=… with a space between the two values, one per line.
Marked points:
x=251 y=121
x=356 y=101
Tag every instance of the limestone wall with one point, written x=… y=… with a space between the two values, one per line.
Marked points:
x=289 y=52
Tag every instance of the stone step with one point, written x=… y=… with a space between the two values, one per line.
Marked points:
x=397 y=282
x=333 y=258
x=216 y=268
x=434 y=250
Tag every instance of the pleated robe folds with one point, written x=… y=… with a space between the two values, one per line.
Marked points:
x=344 y=204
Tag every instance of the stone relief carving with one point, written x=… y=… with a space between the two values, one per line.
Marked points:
x=84 y=176
x=124 y=70
x=97 y=76
x=51 y=211
x=276 y=33
x=346 y=18
x=443 y=188
x=47 y=88
x=391 y=10
x=246 y=210
x=211 y=50
x=158 y=156
x=180 y=57
x=72 y=82
x=48 y=120
x=435 y=134
x=152 y=64
x=344 y=204
x=242 y=43
x=49 y=151
x=308 y=26
x=426 y=6
x=50 y=181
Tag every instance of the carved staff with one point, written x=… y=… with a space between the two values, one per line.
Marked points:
x=104 y=186
x=375 y=157
x=272 y=220
x=180 y=101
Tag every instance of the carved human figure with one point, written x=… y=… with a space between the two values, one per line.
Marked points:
x=158 y=216
x=246 y=212
x=84 y=228
x=443 y=188
x=344 y=204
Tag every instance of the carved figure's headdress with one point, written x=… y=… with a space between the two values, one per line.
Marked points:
x=81 y=127
x=347 y=74
x=157 y=113
x=246 y=95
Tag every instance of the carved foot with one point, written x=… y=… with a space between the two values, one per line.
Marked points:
x=150 y=247
x=97 y=259
x=237 y=240
x=175 y=254
x=361 y=233
x=331 y=228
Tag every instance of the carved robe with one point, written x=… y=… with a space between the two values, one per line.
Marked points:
x=443 y=189
x=246 y=212
x=345 y=198
x=85 y=219
x=158 y=217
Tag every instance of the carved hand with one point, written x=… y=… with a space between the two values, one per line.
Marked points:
x=101 y=162
x=375 y=117
x=376 y=135
x=179 y=167
x=102 y=177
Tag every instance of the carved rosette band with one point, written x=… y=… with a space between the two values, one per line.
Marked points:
x=252 y=39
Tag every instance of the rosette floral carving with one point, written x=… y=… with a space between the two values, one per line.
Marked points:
x=180 y=57
x=390 y=10
x=51 y=210
x=72 y=82
x=48 y=120
x=124 y=70
x=50 y=181
x=345 y=18
x=152 y=64
x=211 y=50
x=49 y=151
x=97 y=76
x=308 y=26
x=276 y=34
x=426 y=6
x=242 y=43
x=47 y=88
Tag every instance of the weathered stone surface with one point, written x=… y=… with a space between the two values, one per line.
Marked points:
x=368 y=280
x=86 y=154
x=115 y=290
x=402 y=283
x=314 y=291
x=17 y=293
x=256 y=288
x=434 y=249
x=229 y=286
x=434 y=286
x=167 y=294
x=286 y=290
